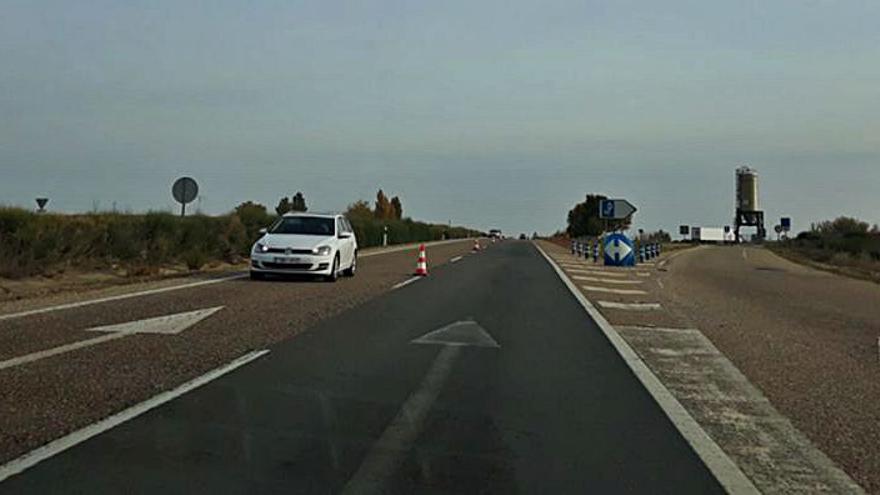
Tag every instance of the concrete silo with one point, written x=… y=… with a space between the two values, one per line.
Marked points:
x=748 y=213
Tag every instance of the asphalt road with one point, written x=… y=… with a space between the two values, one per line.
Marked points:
x=355 y=406
x=806 y=338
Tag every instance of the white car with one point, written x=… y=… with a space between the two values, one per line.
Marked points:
x=306 y=244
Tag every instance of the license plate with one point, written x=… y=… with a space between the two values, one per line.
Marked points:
x=287 y=261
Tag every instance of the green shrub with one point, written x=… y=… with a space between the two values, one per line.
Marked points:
x=33 y=244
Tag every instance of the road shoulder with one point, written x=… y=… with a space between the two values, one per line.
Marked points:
x=774 y=455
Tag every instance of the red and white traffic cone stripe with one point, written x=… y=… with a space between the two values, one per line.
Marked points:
x=422 y=264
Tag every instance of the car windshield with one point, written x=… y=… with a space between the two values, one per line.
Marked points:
x=304 y=225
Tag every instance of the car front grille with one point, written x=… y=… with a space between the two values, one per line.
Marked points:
x=292 y=251
x=287 y=266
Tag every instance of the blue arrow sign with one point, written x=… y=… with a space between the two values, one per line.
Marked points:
x=607 y=208
x=619 y=250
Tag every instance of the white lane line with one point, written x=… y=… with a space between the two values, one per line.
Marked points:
x=397 y=440
x=643 y=274
x=607 y=280
x=745 y=254
x=59 y=445
x=660 y=283
x=456 y=259
x=728 y=474
x=630 y=306
x=121 y=297
x=638 y=328
x=406 y=282
x=597 y=272
x=631 y=292
x=36 y=356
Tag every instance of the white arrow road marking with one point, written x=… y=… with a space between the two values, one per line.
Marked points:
x=607 y=280
x=629 y=306
x=168 y=325
x=632 y=292
x=460 y=333
x=397 y=440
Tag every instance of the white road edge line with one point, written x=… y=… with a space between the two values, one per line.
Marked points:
x=728 y=474
x=59 y=445
x=406 y=282
x=456 y=259
x=200 y=283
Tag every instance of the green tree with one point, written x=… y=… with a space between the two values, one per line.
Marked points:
x=254 y=216
x=359 y=209
x=298 y=203
x=383 y=210
x=583 y=219
x=397 y=207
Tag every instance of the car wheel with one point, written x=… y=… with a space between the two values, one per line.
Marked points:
x=350 y=271
x=257 y=275
x=334 y=272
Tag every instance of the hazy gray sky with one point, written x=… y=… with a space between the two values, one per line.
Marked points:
x=501 y=113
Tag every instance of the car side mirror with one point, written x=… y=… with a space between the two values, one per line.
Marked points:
x=263 y=231
x=344 y=235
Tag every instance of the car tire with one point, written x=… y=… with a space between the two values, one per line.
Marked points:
x=257 y=275
x=351 y=270
x=334 y=271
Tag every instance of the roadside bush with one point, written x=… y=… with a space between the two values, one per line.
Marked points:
x=35 y=244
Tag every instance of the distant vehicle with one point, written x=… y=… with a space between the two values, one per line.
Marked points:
x=523 y=237
x=495 y=234
x=308 y=244
x=708 y=234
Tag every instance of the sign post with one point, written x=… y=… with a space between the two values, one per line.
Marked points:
x=184 y=190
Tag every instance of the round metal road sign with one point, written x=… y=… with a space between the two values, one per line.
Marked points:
x=185 y=190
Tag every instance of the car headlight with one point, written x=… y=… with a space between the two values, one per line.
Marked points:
x=261 y=248
x=322 y=250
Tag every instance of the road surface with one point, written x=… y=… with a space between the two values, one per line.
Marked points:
x=486 y=377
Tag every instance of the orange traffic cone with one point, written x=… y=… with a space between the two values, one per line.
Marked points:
x=422 y=264
x=477 y=246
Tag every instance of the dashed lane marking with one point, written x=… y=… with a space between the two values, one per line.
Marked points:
x=660 y=283
x=607 y=280
x=596 y=272
x=639 y=328
x=632 y=292
x=456 y=259
x=406 y=282
x=630 y=306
